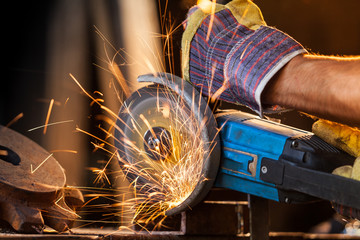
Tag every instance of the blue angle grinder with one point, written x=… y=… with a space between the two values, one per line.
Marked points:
x=239 y=151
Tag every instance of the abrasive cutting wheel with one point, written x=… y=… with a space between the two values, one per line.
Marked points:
x=168 y=144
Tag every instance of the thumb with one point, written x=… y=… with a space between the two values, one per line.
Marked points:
x=339 y=135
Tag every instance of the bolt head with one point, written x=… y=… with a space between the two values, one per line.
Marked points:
x=294 y=144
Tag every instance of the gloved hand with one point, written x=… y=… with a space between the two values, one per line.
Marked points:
x=347 y=139
x=229 y=53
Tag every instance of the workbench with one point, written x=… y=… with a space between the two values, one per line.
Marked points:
x=224 y=214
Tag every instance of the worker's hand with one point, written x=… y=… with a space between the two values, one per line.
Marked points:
x=339 y=135
x=230 y=54
x=347 y=139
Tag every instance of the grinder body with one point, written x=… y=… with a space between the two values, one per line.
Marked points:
x=258 y=156
x=248 y=154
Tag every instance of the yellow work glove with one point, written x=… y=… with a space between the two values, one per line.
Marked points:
x=348 y=139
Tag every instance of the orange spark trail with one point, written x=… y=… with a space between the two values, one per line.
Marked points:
x=212 y=16
x=64 y=150
x=72 y=76
x=66 y=101
x=66 y=210
x=20 y=115
x=101 y=173
x=115 y=70
x=100 y=93
x=168 y=181
x=48 y=115
x=87 y=133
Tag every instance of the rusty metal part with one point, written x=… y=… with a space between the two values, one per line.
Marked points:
x=32 y=187
x=73 y=198
x=59 y=216
x=21 y=218
x=23 y=180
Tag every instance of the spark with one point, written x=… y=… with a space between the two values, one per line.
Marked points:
x=243 y=53
x=212 y=16
x=169 y=182
x=168 y=28
x=218 y=92
x=92 y=135
x=50 y=124
x=64 y=150
x=48 y=115
x=106 y=109
x=245 y=13
x=56 y=103
x=98 y=146
x=159 y=185
x=14 y=120
x=65 y=209
x=115 y=70
x=97 y=100
x=98 y=92
x=150 y=66
x=42 y=163
x=101 y=174
x=84 y=91
x=66 y=101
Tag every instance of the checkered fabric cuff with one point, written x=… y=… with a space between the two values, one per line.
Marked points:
x=253 y=61
x=233 y=61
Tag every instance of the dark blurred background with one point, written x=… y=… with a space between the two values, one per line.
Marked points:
x=44 y=41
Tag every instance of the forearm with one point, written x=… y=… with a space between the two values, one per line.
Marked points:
x=327 y=87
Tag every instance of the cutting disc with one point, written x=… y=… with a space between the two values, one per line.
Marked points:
x=168 y=143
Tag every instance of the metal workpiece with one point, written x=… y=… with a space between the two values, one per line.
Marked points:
x=32 y=187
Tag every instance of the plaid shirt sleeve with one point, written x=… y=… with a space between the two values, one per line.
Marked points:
x=231 y=57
